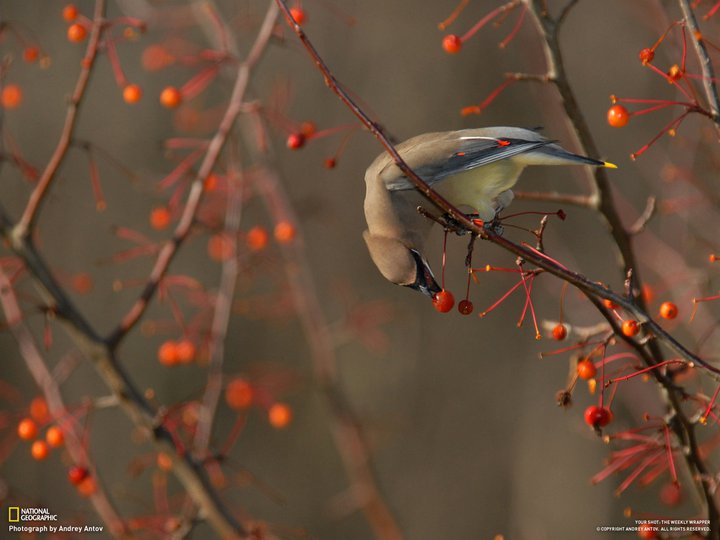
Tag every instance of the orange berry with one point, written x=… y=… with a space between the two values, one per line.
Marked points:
x=586 y=369
x=220 y=247
x=170 y=97
x=646 y=56
x=211 y=182
x=675 y=72
x=452 y=44
x=239 y=394
x=30 y=54
x=330 y=163
x=70 y=13
x=39 y=450
x=630 y=328
x=308 y=128
x=671 y=494
x=618 y=116
x=164 y=461
x=76 y=33
x=559 y=332
x=27 y=429
x=155 y=58
x=295 y=141
x=39 y=410
x=284 y=232
x=159 y=218
x=280 y=415
x=609 y=304
x=186 y=351
x=55 y=436
x=87 y=486
x=443 y=301
x=668 y=310
x=257 y=238
x=11 y=96
x=132 y=93
x=168 y=354
x=298 y=14
x=82 y=283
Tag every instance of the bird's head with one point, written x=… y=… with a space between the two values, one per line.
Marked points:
x=400 y=264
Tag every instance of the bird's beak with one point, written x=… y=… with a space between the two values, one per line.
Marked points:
x=424 y=279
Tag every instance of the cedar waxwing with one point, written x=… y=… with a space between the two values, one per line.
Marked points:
x=473 y=168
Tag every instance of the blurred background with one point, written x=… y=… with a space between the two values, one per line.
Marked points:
x=460 y=412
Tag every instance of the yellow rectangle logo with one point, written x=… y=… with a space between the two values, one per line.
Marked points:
x=13 y=514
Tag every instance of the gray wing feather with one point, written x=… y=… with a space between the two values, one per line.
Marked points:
x=475 y=153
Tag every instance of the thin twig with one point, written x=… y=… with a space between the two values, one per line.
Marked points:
x=170 y=248
x=30 y=214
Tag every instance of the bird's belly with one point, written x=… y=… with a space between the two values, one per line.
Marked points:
x=479 y=188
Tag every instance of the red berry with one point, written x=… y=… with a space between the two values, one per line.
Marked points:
x=330 y=163
x=465 y=307
x=452 y=44
x=630 y=328
x=618 y=116
x=295 y=141
x=671 y=494
x=597 y=417
x=257 y=238
x=668 y=310
x=11 y=96
x=298 y=14
x=77 y=474
x=646 y=56
x=239 y=394
x=30 y=54
x=443 y=301
x=559 y=332
x=39 y=410
x=586 y=369
x=160 y=217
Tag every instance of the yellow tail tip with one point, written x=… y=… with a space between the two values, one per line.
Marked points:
x=609 y=165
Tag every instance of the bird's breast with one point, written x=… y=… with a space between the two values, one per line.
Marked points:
x=479 y=188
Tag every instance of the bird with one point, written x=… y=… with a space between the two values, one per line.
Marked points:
x=472 y=169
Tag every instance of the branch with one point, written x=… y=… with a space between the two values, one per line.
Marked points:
x=170 y=248
x=51 y=390
x=30 y=214
x=635 y=306
x=708 y=72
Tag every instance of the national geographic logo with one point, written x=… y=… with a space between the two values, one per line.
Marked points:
x=41 y=521
x=17 y=514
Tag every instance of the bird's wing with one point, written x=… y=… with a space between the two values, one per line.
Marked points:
x=475 y=152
